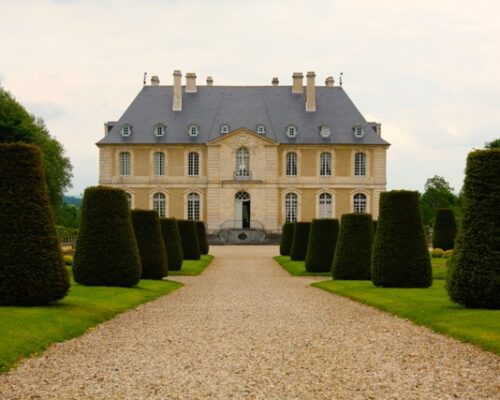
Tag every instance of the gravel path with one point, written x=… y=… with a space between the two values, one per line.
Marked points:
x=245 y=329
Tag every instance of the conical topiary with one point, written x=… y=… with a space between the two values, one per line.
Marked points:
x=189 y=239
x=202 y=237
x=172 y=241
x=106 y=250
x=286 y=238
x=400 y=256
x=149 y=239
x=354 y=248
x=445 y=230
x=300 y=240
x=473 y=277
x=321 y=245
x=32 y=270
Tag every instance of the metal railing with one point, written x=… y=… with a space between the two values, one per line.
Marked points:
x=233 y=231
x=242 y=175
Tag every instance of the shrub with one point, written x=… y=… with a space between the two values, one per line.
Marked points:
x=68 y=260
x=172 y=241
x=445 y=229
x=473 y=278
x=189 y=239
x=286 y=238
x=354 y=248
x=321 y=245
x=448 y=254
x=375 y=222
x=149 y=239
x=32 y=270
x=437 y=253
x=400 y=256
x=300 y=241
x=202 y=237
x=106 y=250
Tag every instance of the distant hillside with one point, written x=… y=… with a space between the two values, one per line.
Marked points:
x=76 y=201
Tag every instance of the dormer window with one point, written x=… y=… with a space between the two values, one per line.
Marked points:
x=324 y=131
x=159 y=130
x=358 y=131
x=224 y=128
x=126 y=130
x=193 y=130
x=261 y=129
x=291 y=131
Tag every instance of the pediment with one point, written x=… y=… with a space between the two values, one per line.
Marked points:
x=243 y=137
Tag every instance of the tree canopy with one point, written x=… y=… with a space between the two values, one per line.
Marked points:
x=438 y=194
x=494 y=144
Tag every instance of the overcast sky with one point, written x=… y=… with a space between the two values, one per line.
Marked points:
x=429 y=70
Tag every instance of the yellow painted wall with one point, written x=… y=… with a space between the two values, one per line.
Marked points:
x=343 y=162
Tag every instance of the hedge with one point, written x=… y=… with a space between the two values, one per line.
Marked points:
x=354 y=248
x=300 y=241
x=106 y=250
x=400 y=256
x=202 y=237
x=189 y=239
x=149 y=239
x=321 y=245
x=286 y=238
x=32 y=270
x=172 y=242
x=473 y=278
x=445 y=229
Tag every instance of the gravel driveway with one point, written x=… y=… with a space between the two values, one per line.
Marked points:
x=245 y=329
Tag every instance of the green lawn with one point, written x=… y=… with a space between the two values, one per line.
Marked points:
x=193 y=267
x=29 y=330
x=429 y=307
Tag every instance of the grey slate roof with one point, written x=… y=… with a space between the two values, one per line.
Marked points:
x=242 y=107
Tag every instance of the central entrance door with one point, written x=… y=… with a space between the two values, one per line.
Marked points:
x=242 y=210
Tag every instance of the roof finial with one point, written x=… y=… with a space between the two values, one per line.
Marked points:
x=340 y=79
x=144 y=80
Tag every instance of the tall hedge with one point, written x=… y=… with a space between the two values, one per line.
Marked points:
x=300 y=240
x=106 y=250
x=189 y=239
x=286 y=238
x=172 y=241
x=400 y=256
x=321 y=244
x=474 y=274
x=354 y=248
x=149 y=239
x=445 y=230
x=202 y=237
x=32 y=270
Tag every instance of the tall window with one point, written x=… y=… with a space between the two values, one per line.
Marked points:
x=159 y=204
x=193 y=206
x=291 y=164
x=359 y=203
x=243 y=162
x=291 y=207
x=193 y=164
x=360 y=164
x=325 y=205
x=325 y=164
x=159 y=163
x=124 y=164
x=129 y=199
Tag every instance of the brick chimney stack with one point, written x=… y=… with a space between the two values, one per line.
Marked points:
x=311 y=92
x=177 y=98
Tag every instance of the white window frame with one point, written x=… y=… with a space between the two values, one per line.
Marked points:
x=291 y=207
x=360 y=164
x=124 y=163
x=291 y=163
x=261 y=129
x=193 y=163
x=224 y=128
x=325 y=131
x=129 y=197
x=291 y=131
x=193 y=130
x=325 y=163
x=159 y=163
x=159 y=130
x=159 y=204
x=193 y=206
x=325 y=205
x=358 y=131
x=360 y=203
x=242 y=162
x=126 y=130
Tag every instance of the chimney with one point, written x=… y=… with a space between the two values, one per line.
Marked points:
x=190 y=82
x=155 y=81
x=297 y=82
x=177 y=98
x=275 y=81
x=311 y=92
x=210 y=81
x=329 y=82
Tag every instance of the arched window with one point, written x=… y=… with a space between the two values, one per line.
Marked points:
x=243 y=162
x=193 y=130
x=126 y=130
x=159 y=130
x=159 y=204
x=291 y=164
x=193 y=164
x=159 y=163
x=359 y=203
x=325 y=164
x=193 y=206
x=261 y=129
x=325 y=205
x=129 y=199
x=291 y=207
x=224 y=128
x=125 y=164
x=360 y=164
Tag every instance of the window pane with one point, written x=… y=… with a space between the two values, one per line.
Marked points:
x=159 y=204
x=325 y=205
x=159 y=164
x=359 y=203
x=291 y=207
x=193 y=164
x=243 y=162
x=193 y=206
x=291 y=164
x=325 y=164
x=360 y=164
x=124 y=164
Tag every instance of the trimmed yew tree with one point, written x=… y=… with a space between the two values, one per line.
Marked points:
x=202 y=237
x=300 y=240
x=106 y=250
x=445 y=230
x=32 y=270
x=352 y=257
x=189 y=239
x=321 y=244
x=172 y=242
x=286 y=238
x=149 y=239
x=400 y=256
x=473 y=278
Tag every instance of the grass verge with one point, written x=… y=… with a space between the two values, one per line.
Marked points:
x=25 y=331
x=429 y=307
x=193 y=267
